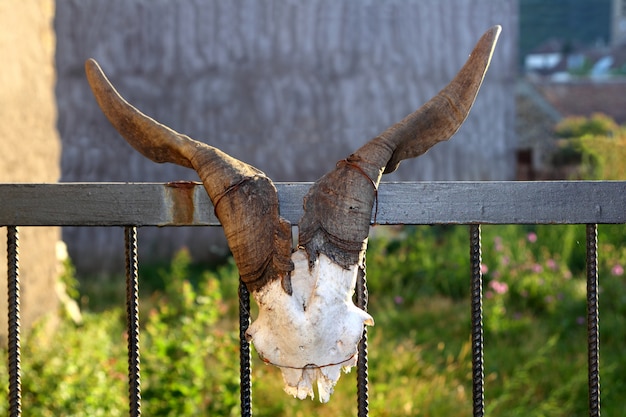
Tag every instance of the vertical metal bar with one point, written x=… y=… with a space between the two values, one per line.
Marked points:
x=593 y=330
x=478 y=373
x=245 y=367
x=361 y=375
x=132 y=310
x=13 y=284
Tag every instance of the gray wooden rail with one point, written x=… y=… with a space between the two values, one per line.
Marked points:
x=186 y=204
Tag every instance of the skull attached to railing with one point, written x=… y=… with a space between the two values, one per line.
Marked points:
x=307 y=323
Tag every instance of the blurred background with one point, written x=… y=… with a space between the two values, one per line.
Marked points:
x=291 y=88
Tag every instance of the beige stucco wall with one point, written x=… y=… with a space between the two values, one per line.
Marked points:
x=29 y=144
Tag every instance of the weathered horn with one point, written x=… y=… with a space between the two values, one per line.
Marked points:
x=245 y=200
x=338 y=207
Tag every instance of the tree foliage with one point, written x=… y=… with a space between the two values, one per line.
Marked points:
x=597 y=143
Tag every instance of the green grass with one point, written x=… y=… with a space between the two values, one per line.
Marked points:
x=419 y=349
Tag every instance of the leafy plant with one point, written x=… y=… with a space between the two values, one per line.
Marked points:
x=596 y=142
x=419 y=350
x=187 y=360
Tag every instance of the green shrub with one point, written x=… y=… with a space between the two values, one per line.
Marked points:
x=420 y=351
x=186 y=357
x=597 y=143
x=187 y=360
x=410 y=262
x=75 y=371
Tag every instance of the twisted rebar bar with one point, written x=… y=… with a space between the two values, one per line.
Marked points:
x=362 y=370
x=132 y=310
x=13 y=284
x=245 y=367
x=478 y=373
x=593 y=329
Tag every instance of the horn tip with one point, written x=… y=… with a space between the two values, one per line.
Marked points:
x=91 y=63
x=494 y=32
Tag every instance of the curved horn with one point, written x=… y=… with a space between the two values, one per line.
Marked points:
x=338 y=207
x=245 y=200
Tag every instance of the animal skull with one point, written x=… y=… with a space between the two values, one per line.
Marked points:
x=307 y=324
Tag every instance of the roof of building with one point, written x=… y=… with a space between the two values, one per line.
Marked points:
x=586 y=97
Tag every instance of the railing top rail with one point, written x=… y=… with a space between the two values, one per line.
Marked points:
x=187 y=204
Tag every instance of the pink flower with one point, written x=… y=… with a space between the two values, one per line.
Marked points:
x=398 y=300
x=499 y=287
x=532 y=237
x=536 y=268
x=498 y=243
x=617 y=270
x=551 y=263
x=484 y=269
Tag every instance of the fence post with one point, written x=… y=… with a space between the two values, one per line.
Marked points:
x=13 y=285
x=478 y=373
x=245 y=366
x=132 y=309
x=593 y=329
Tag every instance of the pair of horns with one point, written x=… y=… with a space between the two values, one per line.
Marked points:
x=338 y=207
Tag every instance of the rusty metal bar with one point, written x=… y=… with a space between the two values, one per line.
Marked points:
x=13 y=284
x=478 y=372
x=593 y=329
x=245 y=367
x=132 y=310
x=361 y=375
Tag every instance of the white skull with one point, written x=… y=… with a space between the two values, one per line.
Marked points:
x=314 y=333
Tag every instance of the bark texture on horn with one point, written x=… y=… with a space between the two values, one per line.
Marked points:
x=245 y=200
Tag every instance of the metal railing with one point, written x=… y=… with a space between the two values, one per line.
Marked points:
x=186 y=204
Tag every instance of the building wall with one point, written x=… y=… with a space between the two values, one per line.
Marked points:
x=288 y=87
x=29 y=144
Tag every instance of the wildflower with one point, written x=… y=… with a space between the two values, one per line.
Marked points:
x=536 y=268
x=532 y=237
x=617 y=270
x=551 y=263
x=499 y=287
x=484 y=269
x=498 y=243
x=398 y=300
